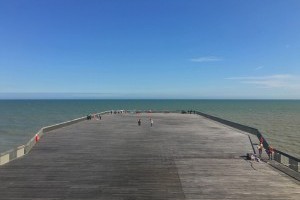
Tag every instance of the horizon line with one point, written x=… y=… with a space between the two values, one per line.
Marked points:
x=8 y=99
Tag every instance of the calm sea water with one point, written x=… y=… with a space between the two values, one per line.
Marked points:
x=279 y=120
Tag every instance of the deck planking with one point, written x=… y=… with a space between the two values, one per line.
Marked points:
x=180 y=157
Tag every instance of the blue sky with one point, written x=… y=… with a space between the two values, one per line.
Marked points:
x=150 y=49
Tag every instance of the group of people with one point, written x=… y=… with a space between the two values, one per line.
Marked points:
x=269 y=150
x=118 y=111
x=191 y=112
x=140 y=122
x=94 y=116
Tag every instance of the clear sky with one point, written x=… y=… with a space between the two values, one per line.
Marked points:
x=149 y=49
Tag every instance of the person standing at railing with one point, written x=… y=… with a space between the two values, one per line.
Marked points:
x=270 y=152
x=260 y=148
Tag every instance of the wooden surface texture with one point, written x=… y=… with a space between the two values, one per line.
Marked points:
x=180 y=157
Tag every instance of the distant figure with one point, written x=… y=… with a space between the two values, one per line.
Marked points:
x=260 y=148
x=139 y=122
x=270 y=152
x=151 y=122
x=261 y=140
x=100 y=117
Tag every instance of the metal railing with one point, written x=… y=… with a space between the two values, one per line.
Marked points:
x=288 y=160
x=22 y=150
x=279 y=156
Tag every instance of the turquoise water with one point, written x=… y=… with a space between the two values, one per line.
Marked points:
x=279 y=120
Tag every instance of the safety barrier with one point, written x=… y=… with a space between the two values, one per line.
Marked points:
x=288 y=160
x=22 y=150
x=279 y=156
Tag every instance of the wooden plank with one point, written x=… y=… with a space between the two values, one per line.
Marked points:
x=180 y=157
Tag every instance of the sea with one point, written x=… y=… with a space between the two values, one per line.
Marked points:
x=278 y=120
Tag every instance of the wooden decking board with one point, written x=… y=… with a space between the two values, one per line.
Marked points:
x=181 y=157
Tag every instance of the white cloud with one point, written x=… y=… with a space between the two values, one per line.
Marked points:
x=273 y=81
x=259 y=67
x=206 y=59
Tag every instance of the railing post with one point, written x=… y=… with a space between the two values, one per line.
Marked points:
x=20 y=151
x=4 y=159
x=277 y=157
x=293 y=164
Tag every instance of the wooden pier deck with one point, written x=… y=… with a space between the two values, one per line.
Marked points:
x=180 y=157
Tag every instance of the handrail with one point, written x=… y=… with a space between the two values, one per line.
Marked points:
x=287 y=155
x=22 y=150
x=279 y=156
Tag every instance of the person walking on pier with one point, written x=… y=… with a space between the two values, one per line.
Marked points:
x=139 y=122
x=151 y=122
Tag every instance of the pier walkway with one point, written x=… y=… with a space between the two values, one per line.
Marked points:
x=181 y=157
